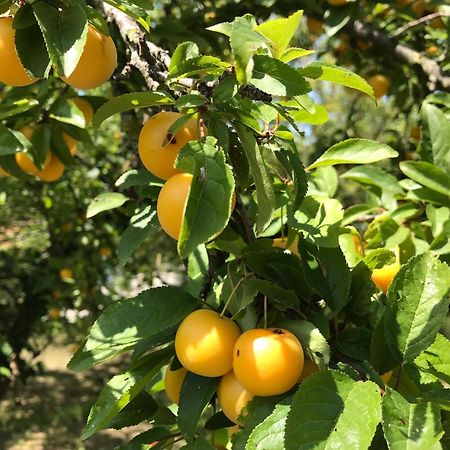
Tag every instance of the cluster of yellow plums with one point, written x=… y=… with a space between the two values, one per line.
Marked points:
x=258 y=362
x=95 y=66
x=52 y=168
x=158 y=150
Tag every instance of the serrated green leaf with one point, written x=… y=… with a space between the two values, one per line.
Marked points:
x=199 y=443
x=327 y=273
x=335 y=74
x=183 y=52
x=194 y=66
x=256 y=411
x=348 y=412
x=16 y=107
x=141 y=224
x=122 y=389
x=197 y=269
x=293 y=53
x=141 y=177
x=294 y=166
x=410 y=426
x=208 y=208
x=312 y=340
x=269 y=434
x=280 y=31
x=435 y=144
x=127 y=322
x=417 y=304
x=30 y=43
x=264 y=189
x=379 y=258
x=196 y=393
x=9 y=142
x=319 y=218
x=428 y=175
x=277 y=78
x=318 y=117
x=435 y=361
x=133 y=8
x=140 y=409
x=126 y=102
x=245 y=41
x=354 y=151
x=105 y=202
x=64 y=32
x=374 y=176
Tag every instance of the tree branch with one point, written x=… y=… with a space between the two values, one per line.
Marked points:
x=379 y=40
x=149 y=59
x=415 y=23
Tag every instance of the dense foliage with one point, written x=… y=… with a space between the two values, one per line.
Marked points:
x=313 y=308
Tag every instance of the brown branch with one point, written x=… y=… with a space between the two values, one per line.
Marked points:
x=415 y=23
x=149 y=59
x=385 y=44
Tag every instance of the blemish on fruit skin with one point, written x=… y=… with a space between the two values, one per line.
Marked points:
x=237 y=352
x=278 y=331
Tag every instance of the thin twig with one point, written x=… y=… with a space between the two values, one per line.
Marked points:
x=415 y=23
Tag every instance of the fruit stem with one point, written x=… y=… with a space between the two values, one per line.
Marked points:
x=233 y=292
x=265 y=312
x=282 y=222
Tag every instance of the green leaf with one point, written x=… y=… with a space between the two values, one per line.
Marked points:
x=327 y=273
x=122 y=389
x=9 y=142
x=196 y=392
x=140 y=409
x=416 y=305
x=126 y=102
x=199 y=443
x=105 y=202
x=190 y=101
x=183 y=52
x=293 y=53
x=17 y=107
x=281 y=298
x=386 y=183
x=435 y=360
x=428 y=175
x=64 y=32
x=292 y=163
x=264 y=189
x=312 y=340
x=208 y=208
x=30 y=44
x=198 y=265
x=355 y=342
x=348 y=412
x=354 y=151
x=141 y=177
x=335 y=74
x=194 y=66
x=435 y=144
x=141 y=224
x=319 y=219
x=280 y=32
x=5 y=5
x=277 y=78
x=409 y=426
x=379 y=258
x=318 y=117
x=126 y=322
x=256 y=411
x=133 y=8
x=269 y=434
x=245 y=41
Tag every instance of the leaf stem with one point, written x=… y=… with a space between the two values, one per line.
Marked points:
x=233 y=292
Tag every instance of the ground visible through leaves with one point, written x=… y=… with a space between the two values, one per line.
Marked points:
x=49 y=412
